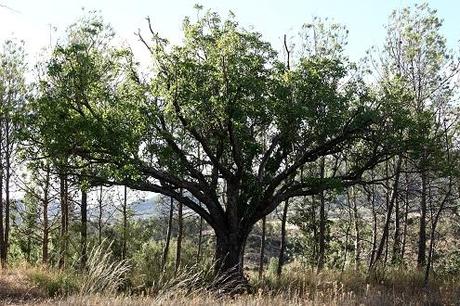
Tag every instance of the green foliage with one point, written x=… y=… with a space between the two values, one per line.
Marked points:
x=449 y=264
x=148 y=272
x=55 y=283
x=272 y=266
x=223 y=84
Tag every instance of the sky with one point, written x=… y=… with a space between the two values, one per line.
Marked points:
x=39 y=22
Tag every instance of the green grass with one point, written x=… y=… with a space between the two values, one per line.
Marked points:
x=53 y=282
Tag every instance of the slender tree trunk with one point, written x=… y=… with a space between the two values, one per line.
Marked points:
x=84 y=228
x=2 y=231
x=200 y=232
x=180 y=230
x=387 y=206
x=99 y=217
x=371 y=199
x=430 y=257
x=434 y=222
x=387 y=244
x=262 y=249
x=29 y=247
x=6 y=240
x=200 y=241
x=322 y=222
x=125 y=223
x=46 y=200
x=350 y=224
x=435 y=217
x=421 y=252
x=397 y=235
x=386 y=228
x=281 y=257
x=315 y=230
x=168 y=235
x=64 y=220
x=406 y=215
x=345 y=256
x=357 y=225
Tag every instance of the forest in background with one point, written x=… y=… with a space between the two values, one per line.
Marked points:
x=227 y=168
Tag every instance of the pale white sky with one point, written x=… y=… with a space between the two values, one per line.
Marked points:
x=365 y=19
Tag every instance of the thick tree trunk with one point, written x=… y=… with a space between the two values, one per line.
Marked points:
x=281 y=256
x=84 y=228
x=168 y=235
x=228 y=252
x=228 y=268
x=262 y=248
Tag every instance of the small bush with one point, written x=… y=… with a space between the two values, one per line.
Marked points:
x=54 y=283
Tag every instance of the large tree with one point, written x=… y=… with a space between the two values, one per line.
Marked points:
x=256 y=119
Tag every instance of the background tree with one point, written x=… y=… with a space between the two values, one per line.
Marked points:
x=12 y=97
x=417 y=56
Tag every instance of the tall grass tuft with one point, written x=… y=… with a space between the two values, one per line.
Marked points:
x=103 y=274
x=191 y=279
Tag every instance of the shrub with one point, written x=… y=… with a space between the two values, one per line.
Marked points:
x=54 y=283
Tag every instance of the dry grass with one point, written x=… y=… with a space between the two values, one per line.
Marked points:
x=323 y=298
x=16 y=288
x=103 y=274
x=299 y=286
